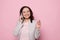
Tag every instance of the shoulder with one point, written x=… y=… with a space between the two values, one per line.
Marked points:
x=18 y=22
x=34 y=21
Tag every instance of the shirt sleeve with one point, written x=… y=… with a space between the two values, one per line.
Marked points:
x=17 y=29
x=37 y=32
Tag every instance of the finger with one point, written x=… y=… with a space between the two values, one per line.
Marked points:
x=38 y=22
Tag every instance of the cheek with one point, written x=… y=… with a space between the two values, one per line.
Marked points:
x=29 y=14
x=23 y=14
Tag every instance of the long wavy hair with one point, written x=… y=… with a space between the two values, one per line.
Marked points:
x=31 y=13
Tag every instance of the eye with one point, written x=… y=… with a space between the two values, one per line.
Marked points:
x=23 y=12
x=28 y=11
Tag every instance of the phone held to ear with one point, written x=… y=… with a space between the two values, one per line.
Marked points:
x=21 y=18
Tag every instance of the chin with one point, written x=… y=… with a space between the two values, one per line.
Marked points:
x=26 y=18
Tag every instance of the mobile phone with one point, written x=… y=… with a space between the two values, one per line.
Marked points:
x=21 y=17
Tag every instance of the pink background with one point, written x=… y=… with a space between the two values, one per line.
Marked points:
x=48 y=11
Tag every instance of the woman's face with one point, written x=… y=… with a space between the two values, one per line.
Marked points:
x=26 y=13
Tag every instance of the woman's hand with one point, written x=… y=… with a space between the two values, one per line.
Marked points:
x=38 y=24
x=20 y=18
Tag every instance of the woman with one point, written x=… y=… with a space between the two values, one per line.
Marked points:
x=27 y=28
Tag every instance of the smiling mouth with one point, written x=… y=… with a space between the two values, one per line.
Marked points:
x=27 y=15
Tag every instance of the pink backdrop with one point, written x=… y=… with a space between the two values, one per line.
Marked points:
x=48 y=11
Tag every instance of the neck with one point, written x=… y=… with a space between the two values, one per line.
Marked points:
x=27 y=19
